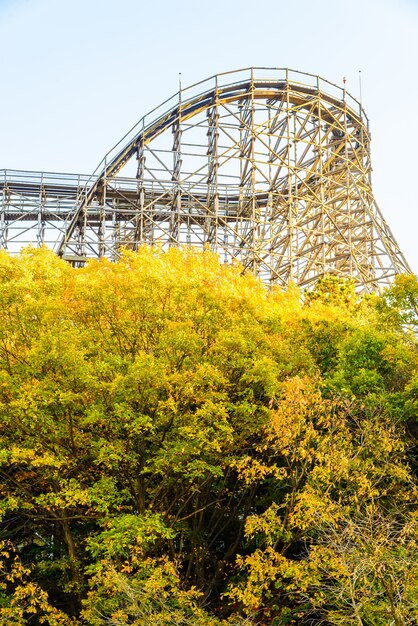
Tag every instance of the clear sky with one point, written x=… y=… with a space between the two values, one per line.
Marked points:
x=76 y=74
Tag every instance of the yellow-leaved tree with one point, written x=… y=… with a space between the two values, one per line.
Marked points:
x=180 y=445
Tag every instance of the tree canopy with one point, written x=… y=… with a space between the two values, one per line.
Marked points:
x=180 y=445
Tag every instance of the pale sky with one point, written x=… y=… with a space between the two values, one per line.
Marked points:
x=77 y=74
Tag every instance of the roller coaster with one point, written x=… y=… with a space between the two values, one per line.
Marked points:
x=269 y=167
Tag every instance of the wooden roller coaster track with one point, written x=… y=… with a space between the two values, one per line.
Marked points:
x=270 y=167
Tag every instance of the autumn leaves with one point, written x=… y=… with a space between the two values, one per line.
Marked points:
x=180 y=446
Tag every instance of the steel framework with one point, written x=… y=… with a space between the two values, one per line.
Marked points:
x=270 y=167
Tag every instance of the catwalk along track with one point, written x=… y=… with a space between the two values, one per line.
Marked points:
x=270 y=167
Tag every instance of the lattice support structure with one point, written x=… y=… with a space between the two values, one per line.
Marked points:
x=270 y=167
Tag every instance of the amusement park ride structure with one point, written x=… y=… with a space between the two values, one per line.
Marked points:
x=270 y=167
